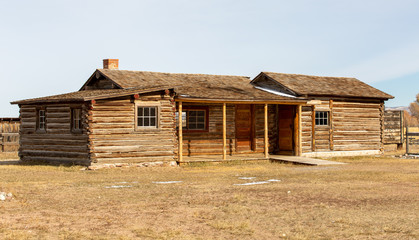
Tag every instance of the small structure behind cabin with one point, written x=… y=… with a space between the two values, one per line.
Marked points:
x=9 y=134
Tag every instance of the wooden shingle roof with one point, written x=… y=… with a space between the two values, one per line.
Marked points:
x=87 y=95
x=306 y=85
x=192 y=85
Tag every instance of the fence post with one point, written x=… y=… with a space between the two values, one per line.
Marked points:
x=407 y=139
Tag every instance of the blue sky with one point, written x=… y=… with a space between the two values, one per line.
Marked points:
x=50 y=47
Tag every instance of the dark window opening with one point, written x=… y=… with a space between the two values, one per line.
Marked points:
x=322 y=118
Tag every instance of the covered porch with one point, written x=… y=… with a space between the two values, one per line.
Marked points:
x=230 y=139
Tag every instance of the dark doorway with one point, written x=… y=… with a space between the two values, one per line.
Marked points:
x=286 y=115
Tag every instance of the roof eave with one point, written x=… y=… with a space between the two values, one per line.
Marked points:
x=297 y=101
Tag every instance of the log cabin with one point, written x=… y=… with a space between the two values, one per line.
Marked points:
x=121 y=116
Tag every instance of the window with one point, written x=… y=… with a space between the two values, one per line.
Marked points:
x=76 y=119
x=322 y=118
x=41 y=120
x=194 y=119
x=147 y=117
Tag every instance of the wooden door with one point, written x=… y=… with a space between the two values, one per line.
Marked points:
x=286 y=116
x=244 y=128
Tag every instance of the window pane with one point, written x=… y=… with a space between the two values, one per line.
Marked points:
x=146 y=122
x=153 y=111
x=140 y=122
x=152 y=121
x=200 y=126
x=146 y=111
x=201 y=113
x=140 y=111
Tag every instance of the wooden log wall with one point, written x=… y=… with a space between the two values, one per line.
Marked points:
x=353 y=126
x=273 y=128
x=306 y=135
x=57 y=144
x=211 y=142
x=357 y=126
x=393 y=127
x=9 y=135
x=114 y=139
x=259 y=128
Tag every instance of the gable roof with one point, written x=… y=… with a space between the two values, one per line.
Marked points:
x=190 y=85
x=306 y=85
x=186 y=86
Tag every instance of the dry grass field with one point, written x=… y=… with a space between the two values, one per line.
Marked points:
x=369 y=198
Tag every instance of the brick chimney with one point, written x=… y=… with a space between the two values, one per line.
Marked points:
x=110 y=63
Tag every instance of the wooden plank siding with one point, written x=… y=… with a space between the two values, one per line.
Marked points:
x=353 y=126
x=114 y=139
x=57 y=144
x=9 y=134
x=393 y=127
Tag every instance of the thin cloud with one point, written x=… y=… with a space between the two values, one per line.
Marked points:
x=389 y=65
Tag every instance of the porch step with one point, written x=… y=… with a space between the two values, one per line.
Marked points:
x=302 y=160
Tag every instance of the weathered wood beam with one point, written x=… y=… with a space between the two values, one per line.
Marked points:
x=266 y=131
x=313 y=128
x=224 y=132
x=331 y=124
x=299 y=108
x=180 y=132
x=290 y=102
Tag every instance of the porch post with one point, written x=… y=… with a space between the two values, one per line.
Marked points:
x=224 y=132
x=266 y=130
x=180 y=132
x=300 y=149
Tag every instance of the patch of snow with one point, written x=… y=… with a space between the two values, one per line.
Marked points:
x=247 y=178
x=273 y=180
x=167 y=182
x=251 y=183
x=118 y=186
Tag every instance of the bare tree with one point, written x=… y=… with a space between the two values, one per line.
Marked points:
x=412 y=119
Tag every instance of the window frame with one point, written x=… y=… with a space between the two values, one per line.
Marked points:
x=188 y=109
x=148 y=104
x=72 y=115
x=317 y=119
x=38 y=119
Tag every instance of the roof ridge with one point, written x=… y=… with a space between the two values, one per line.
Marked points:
x=296 y=74
x=195 y=74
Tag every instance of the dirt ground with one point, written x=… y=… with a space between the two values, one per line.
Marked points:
x=368 y=198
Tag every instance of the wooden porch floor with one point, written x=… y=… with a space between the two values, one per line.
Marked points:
x=256 y=157
x=219 y=158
